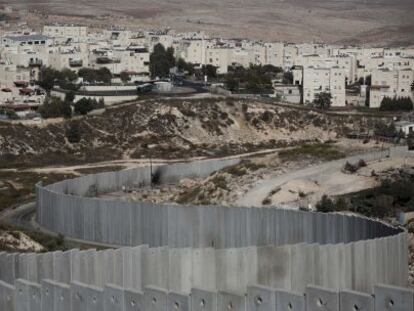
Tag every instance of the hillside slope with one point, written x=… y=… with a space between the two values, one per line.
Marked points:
x=169 y=129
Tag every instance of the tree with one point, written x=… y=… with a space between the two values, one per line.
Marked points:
x=323 y=100
x=170 y=56
x=383 y=129
x=70 y=97
x=85 y=105
x=325 y=205
x=256 y=79
x=161 y=61
x=183 y=66
x=209 y=70
x=287 y=77
x=50 y=77
x=368 y=80
x=54 y=107
x=124 y=76
x=232 y=83
x=90 y=75
x=396 y=104
x=73 y=133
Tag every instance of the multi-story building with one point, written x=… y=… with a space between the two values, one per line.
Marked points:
x=274 y=54
x=220 y=57
x=317 y=80
x=390 y=83
x=25 y=40
x=70 y=32
x=192 y=50
x=290 y=53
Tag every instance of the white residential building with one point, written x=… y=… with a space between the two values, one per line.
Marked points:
x=71 y=32
x=219 y=57
x=390 y=83
x=317 y=80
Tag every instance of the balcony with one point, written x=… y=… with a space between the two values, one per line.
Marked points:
x=35 y=62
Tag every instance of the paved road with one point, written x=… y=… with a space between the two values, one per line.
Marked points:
x=262 y=188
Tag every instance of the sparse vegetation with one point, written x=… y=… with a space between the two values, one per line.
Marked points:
x=54 y=107
x=396 y=104
x=254 y=80
x=101 y=75
x=85 y=105
x=395 y=193
x=51 y=243
x=324 y=151
x=353 y=168
x=323 y=100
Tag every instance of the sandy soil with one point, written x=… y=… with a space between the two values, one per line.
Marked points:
x=305 y=192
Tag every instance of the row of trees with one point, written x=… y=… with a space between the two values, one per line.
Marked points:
x=162 y=60
x=254 y=80
x=67 y=78
x=54 y=107
x=396 y=104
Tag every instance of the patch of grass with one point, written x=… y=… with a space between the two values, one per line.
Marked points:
x=322 y=151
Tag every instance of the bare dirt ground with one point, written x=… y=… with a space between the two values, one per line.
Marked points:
x=308 y=191
x=235 y=185
x=349 y=21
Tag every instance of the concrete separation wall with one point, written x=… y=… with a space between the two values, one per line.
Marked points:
x=53 y=296
x=202 y=257
x=177 y=248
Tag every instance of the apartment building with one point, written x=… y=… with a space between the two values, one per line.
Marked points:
x=274 y=54
x=70 y=31
x=25 y=40
x=390 y=83
x=192 y=50
x=219 y=57
x=72 y=57
x=290 y=54
x=133 y=59
x=317 y=80
x=347 y=62
x=10 y=73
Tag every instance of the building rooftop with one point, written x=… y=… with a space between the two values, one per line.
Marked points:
x=33 y=37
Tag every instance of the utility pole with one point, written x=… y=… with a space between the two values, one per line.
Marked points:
x=151 y=175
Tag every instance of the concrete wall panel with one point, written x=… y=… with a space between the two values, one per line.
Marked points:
x=134 y=300
x=391 y=298
x=286 y=300
x=351 y=300
x=231 y=301
x=321 y=299
x=261 y=298
x=203 y=300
